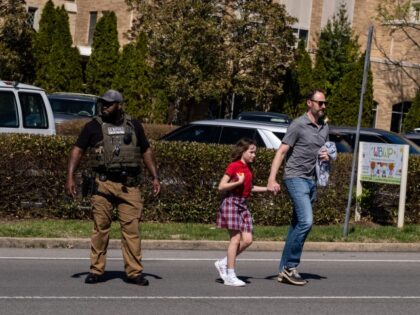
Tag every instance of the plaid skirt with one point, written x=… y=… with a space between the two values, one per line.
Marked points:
x=233 y=214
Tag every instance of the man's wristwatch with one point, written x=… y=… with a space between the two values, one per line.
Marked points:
x=157 y=178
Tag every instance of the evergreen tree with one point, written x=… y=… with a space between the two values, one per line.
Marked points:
x=339 y=71
x=288 y=102
x=319 y=76
x=298 y=83
x=65 y=70
x=16 y=58
x=412 y=119
x=304 y=73
x=338 y=51
x=343 y=108
x=58 y=65
x=103 y=62
x=134 y=81
x=43 y=43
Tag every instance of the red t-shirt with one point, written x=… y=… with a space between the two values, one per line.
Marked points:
x=239 y=167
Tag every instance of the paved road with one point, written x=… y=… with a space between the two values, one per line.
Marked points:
x=50 y=281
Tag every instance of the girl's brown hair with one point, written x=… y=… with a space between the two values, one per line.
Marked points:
x=241 y=146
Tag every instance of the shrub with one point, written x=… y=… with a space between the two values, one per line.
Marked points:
x=73 y=128
x=33 y=171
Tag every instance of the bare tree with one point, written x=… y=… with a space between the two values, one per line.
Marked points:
x=402 y=20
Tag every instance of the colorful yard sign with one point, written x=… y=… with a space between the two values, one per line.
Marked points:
x=383 y=163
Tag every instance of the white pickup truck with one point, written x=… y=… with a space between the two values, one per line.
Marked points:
x=25 y=109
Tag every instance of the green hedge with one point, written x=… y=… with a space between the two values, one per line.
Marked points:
x=33 y=170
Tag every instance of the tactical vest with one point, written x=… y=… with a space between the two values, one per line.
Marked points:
x=118 y=150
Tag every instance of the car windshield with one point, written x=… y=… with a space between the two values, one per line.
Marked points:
x=73 y=107
x=274 y=119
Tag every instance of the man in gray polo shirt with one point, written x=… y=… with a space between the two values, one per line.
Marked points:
x=300 y=147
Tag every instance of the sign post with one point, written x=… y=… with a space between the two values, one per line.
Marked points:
x=359 y=121
x=383 y=163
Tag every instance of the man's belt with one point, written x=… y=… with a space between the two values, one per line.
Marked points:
x=123 y=177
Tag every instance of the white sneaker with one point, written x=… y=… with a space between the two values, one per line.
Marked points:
x=222 y=269
x=233 y=281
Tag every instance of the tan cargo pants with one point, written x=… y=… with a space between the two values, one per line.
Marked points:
x=129 y=205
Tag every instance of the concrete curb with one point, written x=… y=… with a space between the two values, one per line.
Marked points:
x=14 y=242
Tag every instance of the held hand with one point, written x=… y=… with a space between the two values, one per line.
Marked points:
x=241 y=177
x=273 y=186
x=156 y=187
x=70 y=188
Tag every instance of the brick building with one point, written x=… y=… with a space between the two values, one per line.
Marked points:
x=394 y=87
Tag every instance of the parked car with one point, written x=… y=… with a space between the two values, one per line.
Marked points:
x=372 y=135
x=70 y=106
x=413 y=136
x=227 y=131
x=264 y=116
x=25 y=109
x=269 y=135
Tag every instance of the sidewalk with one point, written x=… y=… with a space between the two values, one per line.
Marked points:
x=12 y=242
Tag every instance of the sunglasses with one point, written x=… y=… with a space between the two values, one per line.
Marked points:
x=320 y=103
x=104 y=104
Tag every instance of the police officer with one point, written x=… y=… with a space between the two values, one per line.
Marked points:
x=115 y=144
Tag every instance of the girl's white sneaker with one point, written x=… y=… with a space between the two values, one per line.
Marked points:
x=233 y=281
x=222 y=269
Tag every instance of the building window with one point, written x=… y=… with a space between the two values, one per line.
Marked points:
x=32 y=17
x=92 y=24
x=301 y=34
x=398 y=114
x=302 y=11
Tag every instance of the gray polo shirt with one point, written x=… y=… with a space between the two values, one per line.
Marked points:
x=305 y=139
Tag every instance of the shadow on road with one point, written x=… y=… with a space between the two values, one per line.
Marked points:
x=243 y=278
x=110 y=275
x=312 y=276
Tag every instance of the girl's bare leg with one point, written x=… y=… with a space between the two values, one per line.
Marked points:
x=239 y=241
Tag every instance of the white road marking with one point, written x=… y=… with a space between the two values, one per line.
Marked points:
x=213 y=259
x=385 y=297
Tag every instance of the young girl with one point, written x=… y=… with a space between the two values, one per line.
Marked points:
x=233 y=213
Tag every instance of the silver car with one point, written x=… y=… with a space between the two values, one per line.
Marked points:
x=68 y=106
x=264 y=116
x=269 y=135
x=226 y=131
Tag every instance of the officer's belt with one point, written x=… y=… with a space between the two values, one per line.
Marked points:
x=119 y=177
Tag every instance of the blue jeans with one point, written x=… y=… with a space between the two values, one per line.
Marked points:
x=302 y=193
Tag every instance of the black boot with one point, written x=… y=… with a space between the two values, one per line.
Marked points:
x=92 y=278
x=139 y=280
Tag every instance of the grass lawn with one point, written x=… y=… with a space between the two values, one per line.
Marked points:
x=191 y=231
